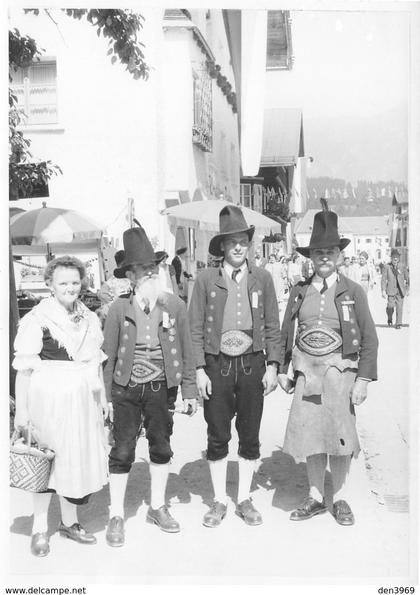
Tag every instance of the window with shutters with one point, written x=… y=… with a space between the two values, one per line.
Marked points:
x=279 y=40
x=36 y=90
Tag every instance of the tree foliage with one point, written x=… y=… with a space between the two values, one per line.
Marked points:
x=24 y=173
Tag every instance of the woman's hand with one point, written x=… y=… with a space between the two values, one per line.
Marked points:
x=21 y=417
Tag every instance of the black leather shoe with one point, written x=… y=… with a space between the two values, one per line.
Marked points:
x=247 y=511
x=115 y=532
x=309 y=508
x=215 y=515
x=342 y=513
x=163 y=519
x=76 y=533
x=397 y=326
x=389 y=322
x=40 y=544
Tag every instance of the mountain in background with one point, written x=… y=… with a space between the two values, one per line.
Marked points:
x=359 y=148
x=355 y=199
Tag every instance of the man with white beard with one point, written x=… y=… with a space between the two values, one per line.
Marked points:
x=148 y=344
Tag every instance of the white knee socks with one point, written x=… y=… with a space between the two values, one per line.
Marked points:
x=316 y=466
x=218 y=470
x=41 y=503
x=340 y=467
x=159 y=477
x=117 y=486
x=68 y=512
x=246 y=472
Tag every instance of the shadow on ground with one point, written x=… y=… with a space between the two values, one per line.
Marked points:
x=278 y=473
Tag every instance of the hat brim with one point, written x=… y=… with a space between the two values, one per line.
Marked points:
x=119 y=272
x=214 y=246
x=306 y=250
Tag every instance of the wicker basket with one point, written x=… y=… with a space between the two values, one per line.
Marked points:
x=29 y=466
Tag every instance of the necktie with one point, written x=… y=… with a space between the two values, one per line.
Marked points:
x=146 y=308
x=235 y=273
x=324 y=286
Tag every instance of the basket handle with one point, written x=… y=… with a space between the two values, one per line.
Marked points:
x=16 y=435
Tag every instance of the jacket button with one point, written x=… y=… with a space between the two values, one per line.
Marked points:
x=261 y=316
x=210 y=318
x=178 y=375
x=173 y=350
x=125 y=336
x=126 y=323
x=355 y=342
x=212 y=294
x=208 y=341
x=171 y=338
x=122 y=349
x=118 y=373
x=120 y=362
x=176 y=363
x=347 y=297
x=211 y=306
x=353 y=331
x=208 y=329
x=352 y=320
x=172 y=331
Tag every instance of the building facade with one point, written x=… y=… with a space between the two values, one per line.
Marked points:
x=129 y=148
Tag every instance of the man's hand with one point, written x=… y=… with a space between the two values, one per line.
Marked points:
x=190 y=406
x=270 y=379
x=358 y=391
x=203 y=384
x=286 y=384
x=383 y=294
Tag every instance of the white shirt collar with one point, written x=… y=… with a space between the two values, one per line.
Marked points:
x=318 y=281
x=229 y=270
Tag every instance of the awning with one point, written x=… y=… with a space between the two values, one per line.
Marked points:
x=282 y=137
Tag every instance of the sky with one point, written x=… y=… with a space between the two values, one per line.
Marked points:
x=350 y=77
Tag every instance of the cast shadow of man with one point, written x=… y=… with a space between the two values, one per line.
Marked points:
x=286 y=478
x=194 y=479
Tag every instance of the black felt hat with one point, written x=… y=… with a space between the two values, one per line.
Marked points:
x=324 y=232
x=231 y=220
x=138 y=250
x=161 y=255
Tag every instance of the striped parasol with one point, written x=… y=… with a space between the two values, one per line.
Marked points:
x=51 y=225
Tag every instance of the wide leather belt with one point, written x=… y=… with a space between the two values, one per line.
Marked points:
x=319 y=340
x=144 y=371
x=235 y=342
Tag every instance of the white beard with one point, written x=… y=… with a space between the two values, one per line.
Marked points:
x=150 y=289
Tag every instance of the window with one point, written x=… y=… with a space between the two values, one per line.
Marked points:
x=279 y=41
x=245 y=195
x=36 y=91
x=258 y=198
x=368 y=241
x=202 y=131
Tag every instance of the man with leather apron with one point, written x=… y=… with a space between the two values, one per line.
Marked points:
x=329 y=338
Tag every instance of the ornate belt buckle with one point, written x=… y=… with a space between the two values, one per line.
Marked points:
x=235 y=343
x=319 y=340
x=144 y=371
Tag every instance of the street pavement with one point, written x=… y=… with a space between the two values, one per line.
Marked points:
x=379 y=549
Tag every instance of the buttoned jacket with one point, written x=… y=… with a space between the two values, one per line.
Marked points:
x=389 y=281
x=120 y=340
x=357 y=327
x=207 y=307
